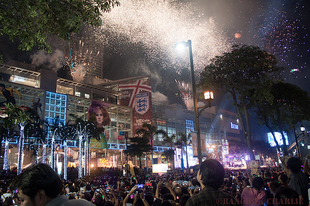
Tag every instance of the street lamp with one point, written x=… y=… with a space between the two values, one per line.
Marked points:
x=302 y=129
x=189 y=45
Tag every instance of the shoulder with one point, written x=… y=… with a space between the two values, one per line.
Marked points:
x=80 y=202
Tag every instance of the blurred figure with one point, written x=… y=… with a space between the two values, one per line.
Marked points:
x=298 y=180
x=211 y=177
x=254 y=195
x=8 y=94
x=286 y=196
x=40 y=185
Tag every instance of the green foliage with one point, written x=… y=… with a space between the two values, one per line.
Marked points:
x=30 y=21
x=168 y=155
x=237 y=73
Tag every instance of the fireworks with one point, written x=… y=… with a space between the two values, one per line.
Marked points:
x=157 y=26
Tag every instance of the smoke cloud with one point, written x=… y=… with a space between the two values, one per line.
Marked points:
x=52 y=61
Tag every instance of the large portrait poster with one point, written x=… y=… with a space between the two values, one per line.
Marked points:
x=98 y=114
x=137 y=94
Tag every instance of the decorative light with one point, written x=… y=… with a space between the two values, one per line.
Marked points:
x=208 y=95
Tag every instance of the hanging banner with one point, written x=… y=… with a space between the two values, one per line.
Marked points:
x=137 y=94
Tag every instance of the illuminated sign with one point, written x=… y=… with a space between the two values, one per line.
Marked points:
x=278 y=137
x=234 y=126
x=160 y=168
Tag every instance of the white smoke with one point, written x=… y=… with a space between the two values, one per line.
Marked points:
x=52 y=61
x=159 y=97
x=79 y=73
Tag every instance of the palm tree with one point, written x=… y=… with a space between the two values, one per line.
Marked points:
x=54 y=128
x=66 y=132
x=7 y=127
x=149 y=130
x=20 y=118
x=83 y=130
x=139 y=147
x=168 y=140
x=184 y=142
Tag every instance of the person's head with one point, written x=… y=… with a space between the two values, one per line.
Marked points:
x=258 y=183
x=294 y=164
x=2 y=87
x=184 y=199
x=211 y=173
x=149 y=198
x=168 y=196
x=273 y=187
x=38 y=100
x=38 y=185
x=87 y=196
x=283 y=178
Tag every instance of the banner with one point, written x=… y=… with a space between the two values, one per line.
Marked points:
x=137 y=94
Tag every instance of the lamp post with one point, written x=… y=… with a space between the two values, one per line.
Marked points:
x=302 y=129
x=208 y=96
x=189 y=45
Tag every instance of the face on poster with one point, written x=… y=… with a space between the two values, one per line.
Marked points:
x=98 y=114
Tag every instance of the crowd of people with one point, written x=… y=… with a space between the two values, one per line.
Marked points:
x=210 y=185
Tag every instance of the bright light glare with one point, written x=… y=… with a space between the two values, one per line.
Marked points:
x=180 y=47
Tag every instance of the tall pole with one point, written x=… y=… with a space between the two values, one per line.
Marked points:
x=195 y=101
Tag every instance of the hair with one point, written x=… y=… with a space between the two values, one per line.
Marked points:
x=284 y=178
x=285 y=193
x=274 y=186
x=212 y=173
x=87 y=196
x=294 y=164
x=258 y=183
x=39 y=177
x=2 y=85
x=91 y=115
x=166 y=203
x=168 y=196
x=149 y=198
x=98 y=200
x=184 y=199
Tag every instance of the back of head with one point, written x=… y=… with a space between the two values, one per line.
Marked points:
x=39 y=177
x=168 y=196
x=294 y=164
x=184 y=199
x=283 y=178
x=149 y=198
x=212 y=173
x=258 y=183
x=2 y=85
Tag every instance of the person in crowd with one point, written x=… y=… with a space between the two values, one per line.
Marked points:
x=8 y=94
x=211 y=177
x=283 y=179
x=40 y=185
x=37 y=105
x=254 y=195
x=298 y=180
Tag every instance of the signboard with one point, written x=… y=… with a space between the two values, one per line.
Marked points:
x=159 y=168
x=137 y=94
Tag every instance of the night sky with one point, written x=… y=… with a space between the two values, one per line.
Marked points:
x=138 y=38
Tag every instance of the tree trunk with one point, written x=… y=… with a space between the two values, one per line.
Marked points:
x=65 y=161
x=246 y=130
x=186 y=157
x=248 y=137
x=80 y=172
x=53 y=151
x=20 y=149
x=43 y=153
x=6 y=155
x=85 y=157
x=281 y=130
